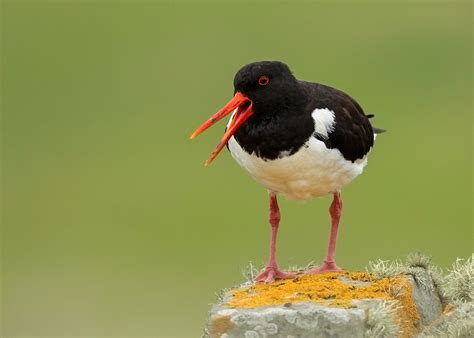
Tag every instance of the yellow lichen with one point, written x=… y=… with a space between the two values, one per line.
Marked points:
x=336 y=289
x=220 y=325
x=408 y=317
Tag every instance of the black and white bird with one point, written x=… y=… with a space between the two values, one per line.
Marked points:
x=296 y=138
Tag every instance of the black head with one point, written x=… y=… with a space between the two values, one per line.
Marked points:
x=263 y=90
x=269 y=84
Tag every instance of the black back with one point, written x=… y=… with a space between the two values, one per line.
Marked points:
x=282 y=120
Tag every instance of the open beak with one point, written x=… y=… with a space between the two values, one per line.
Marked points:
x=244 y=110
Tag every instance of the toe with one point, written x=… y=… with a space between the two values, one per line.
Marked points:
x=325 y=267
x=261 y=277
x=270 y=277
x=284 y=275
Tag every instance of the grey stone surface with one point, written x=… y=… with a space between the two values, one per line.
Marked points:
x=298 y=320
x=425 y=295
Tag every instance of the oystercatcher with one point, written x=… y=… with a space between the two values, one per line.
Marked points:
x=296 y=138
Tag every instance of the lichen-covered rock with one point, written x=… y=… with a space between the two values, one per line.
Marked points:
x=456 y=321
x=328 y=305
x=457 y=290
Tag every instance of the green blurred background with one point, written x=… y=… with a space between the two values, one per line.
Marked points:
x=111 y=223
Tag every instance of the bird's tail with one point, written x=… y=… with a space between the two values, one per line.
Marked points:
x=375 y=129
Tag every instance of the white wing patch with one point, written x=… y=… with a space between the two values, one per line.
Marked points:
x=324 y=120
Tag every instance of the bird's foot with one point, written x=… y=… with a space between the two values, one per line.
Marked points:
x=270 y=274
x=325 y=267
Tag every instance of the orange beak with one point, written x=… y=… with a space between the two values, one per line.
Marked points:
x=244 y=110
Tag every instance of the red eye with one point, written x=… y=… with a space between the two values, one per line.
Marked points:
x=263 y=80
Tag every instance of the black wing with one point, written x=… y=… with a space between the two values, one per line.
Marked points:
x=353 y=134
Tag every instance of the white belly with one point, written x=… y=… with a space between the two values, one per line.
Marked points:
x=312 y=171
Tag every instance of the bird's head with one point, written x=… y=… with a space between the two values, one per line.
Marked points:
x=260 y=88
x=266 y=83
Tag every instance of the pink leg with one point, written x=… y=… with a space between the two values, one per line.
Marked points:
x=329 y=264
x=272 y=272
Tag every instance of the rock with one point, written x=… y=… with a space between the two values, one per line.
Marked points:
x=426 y=298
x=347 y=304
x=299 y=320
x=456 y=321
